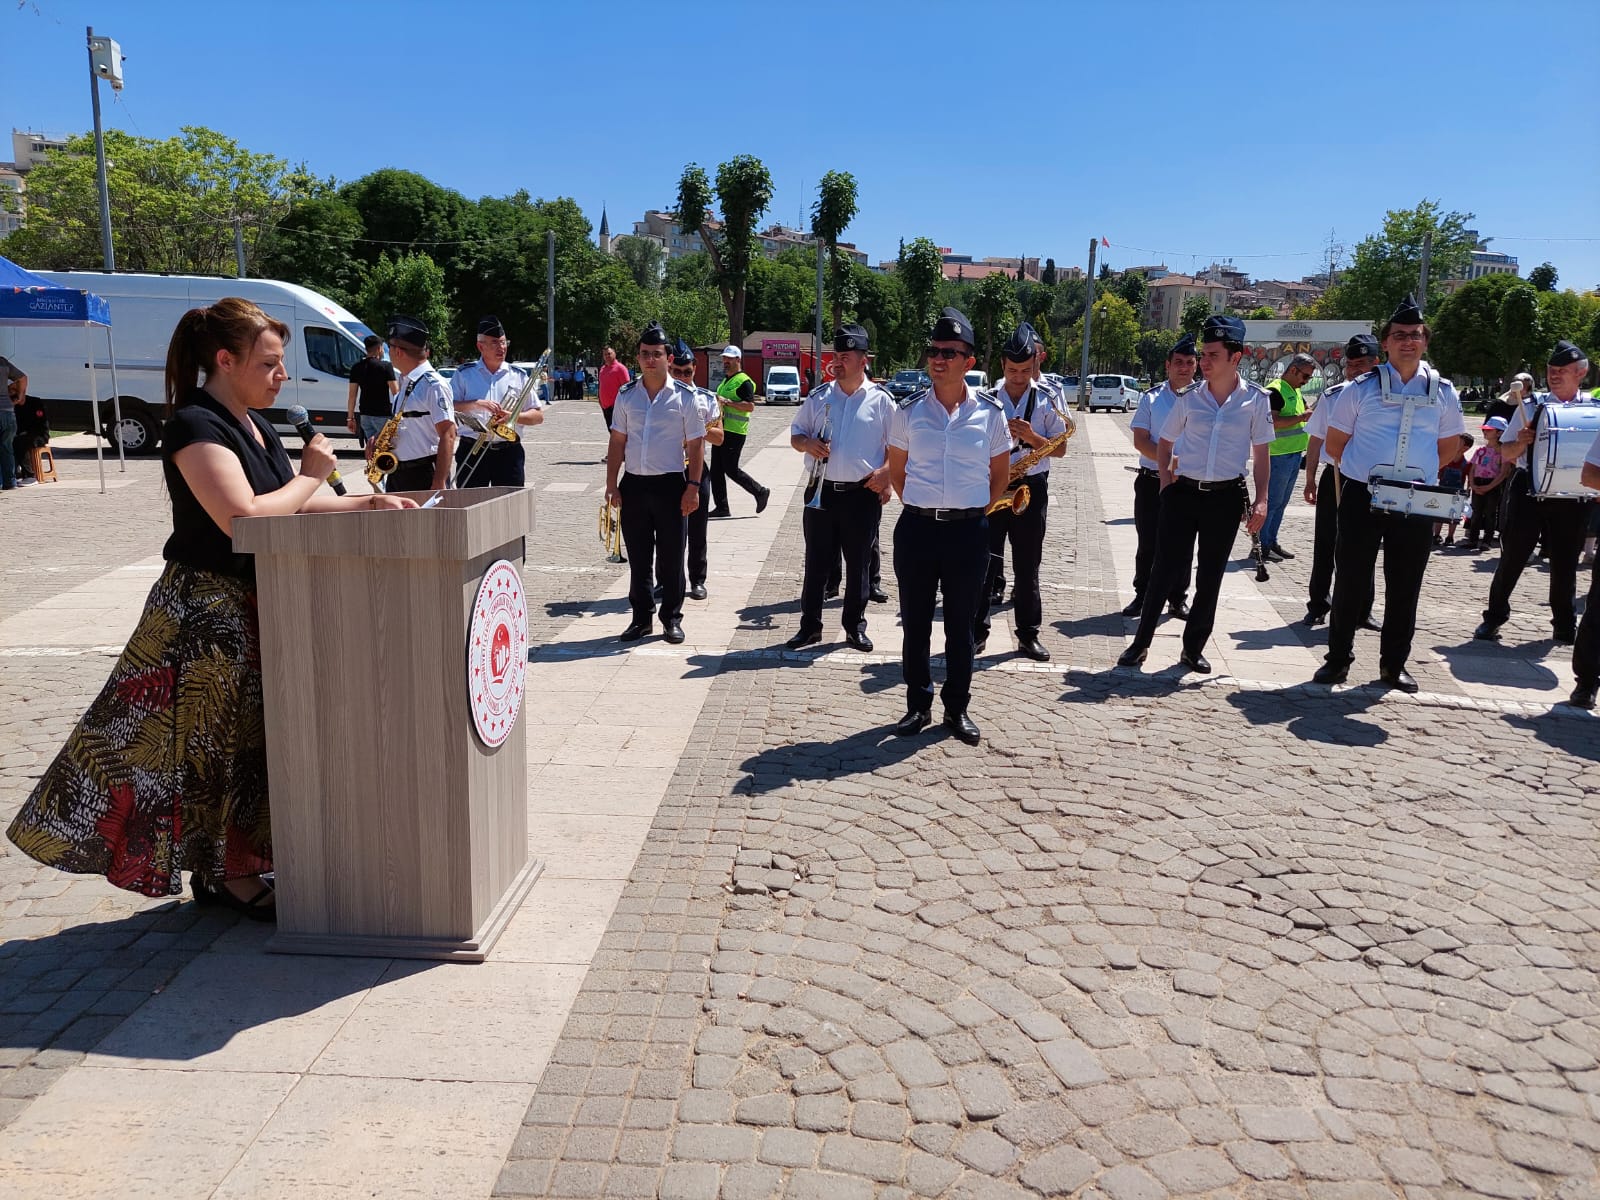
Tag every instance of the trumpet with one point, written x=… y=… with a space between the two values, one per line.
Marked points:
x=819 y=466
x=1019 y=495
x=610 y=529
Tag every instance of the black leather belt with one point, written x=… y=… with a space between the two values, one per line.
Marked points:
x=1149 y=473
x=412 y=462
x=1211 y=485
x=945 y=514
x=835 y=485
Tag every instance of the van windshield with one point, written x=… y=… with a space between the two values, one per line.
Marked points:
x=357 y=330
x=784 y=375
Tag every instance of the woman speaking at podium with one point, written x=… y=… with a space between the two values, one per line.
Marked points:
x=167 y=771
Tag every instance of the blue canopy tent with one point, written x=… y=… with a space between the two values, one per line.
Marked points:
x=29 y=299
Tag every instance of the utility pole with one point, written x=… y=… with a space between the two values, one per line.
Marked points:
x=550 y=289
x=105 y=59
x=1088 y=313
x=816 y=345
x=238 y=246
x=1427 y=260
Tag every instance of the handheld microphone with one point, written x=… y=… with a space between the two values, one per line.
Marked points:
x=301 y=420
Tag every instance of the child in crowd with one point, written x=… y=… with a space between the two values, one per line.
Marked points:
x=1451 y=475
x=1490 y=470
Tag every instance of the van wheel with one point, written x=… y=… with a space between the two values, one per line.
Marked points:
x=138 y=433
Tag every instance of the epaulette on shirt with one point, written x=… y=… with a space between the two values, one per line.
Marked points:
x=1184 y=391
x=1364 y=376
x=991 y=396
x=912 y=399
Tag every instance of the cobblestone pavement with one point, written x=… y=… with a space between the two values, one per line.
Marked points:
x=1151 y=938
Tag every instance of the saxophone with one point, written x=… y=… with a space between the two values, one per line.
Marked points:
x=384 y=460
x=1019 y=494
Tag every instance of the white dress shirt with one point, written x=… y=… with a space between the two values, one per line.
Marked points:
x=1212 y=441
x=657 y=427
x=421 y=390
x=1047 y=420
x=1593 y=456
x=1524 y=416
x=858 y=437
x=1155 y=406
x=1317 y=425
x=947 y=454
x=1374 y=427
x=475 y=383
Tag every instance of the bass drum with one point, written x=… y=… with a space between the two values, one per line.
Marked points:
x=1562 y=436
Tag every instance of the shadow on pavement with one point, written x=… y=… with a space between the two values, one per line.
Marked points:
x=857 y=754
x=557 y=609
x=599 y=647
x=1110 y=624
x=1473 y=661
x=1564 y=728
x=1281 y=635
x=1314 y=714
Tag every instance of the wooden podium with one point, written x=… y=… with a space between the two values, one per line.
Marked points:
x=399 y=827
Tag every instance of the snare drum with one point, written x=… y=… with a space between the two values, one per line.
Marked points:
x=1562 y=436
x=1417 y=500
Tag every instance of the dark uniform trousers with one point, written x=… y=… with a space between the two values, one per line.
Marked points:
x=1324 y=548
x=874 y=567
x=846 y=523
x=1563 y=524
x=654 y=531
x=413 y=475
x=501 y=465
x=1586 y=651
x=1026 y=534
x=1146 y=524
x=929 y=557
x=1406 y=544
x=1192 y=518
x=725 y=466
x=698 y=559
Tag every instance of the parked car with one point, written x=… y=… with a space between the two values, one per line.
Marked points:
x=783 y=385
x=978 y=379
x=907 y=382
x=1120 y=392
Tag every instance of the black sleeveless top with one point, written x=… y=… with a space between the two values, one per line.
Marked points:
x=196 y=539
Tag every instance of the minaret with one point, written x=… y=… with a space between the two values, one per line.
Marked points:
x=605 y=232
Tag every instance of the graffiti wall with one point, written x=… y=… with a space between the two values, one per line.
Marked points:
x=1269 y=345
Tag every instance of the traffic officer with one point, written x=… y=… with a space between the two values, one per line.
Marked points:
x=843 y=430
x=425 y=440
x=949 y=457
x=1032 y=419
x=1212 y=431
x=1562 y=524
x=482 y=392
x=737 y=396
x=1586 y=649
x=698 y=558
x=1360 y=356
x=1372 y=429
x=657 y=432
x=1155 y=406
x=1287 y=450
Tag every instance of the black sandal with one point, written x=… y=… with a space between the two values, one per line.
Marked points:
x=207 y=895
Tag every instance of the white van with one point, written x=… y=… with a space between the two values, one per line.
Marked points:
x=326 y=343
x=1120 y=392
x=783 y=385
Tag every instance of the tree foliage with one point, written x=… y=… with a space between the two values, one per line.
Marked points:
x=1465 y=343
x=743 y=192
x=995 y=309
x=1113 y=335
x=1133 y=287
x=1543 y=277
x=645 y=259
x=921 y=269
x=831 y=215
x=411 y=283
x=1195 y=311
x=1152 y=349
x=1387 y=265
x=1518 y=326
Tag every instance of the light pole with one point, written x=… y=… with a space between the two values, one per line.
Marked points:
x=105 y=62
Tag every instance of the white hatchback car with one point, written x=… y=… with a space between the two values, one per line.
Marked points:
x=1120 y=392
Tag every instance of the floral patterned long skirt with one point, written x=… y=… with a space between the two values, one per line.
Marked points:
x=167 y=771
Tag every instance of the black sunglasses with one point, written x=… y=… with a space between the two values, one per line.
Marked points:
x=945 y=352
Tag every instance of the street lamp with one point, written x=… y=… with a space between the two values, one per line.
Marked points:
x=105 y=62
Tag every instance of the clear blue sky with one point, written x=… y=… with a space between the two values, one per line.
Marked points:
x=991 y=127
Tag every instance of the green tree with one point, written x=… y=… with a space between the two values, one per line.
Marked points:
x=881 y=308
x=1195 y=311
x=994 y=303
x=1518 y=326
x=1466 y=340
x=402 y=210
x=1048 y=275
x=831 y=215
x=1152 y=349
x=1387 y=265
x=314 y=245
x=744 y=191
x=781 y=292
x=1135 y=289
x=645 y=259
x=921 y=269
x=1263 y=312
x=1113 y=335
x=174 y=203
x=1543 y=277
x=694 y=314
x=411 y=283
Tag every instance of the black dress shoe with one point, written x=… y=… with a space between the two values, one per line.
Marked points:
x=858 y=641
x=1399 y=680
x=914 y=721
x=878 y=596
x=1314 y=617
x=961 y=725
x=1178 y=609
x=762 y=497
x=719 y=512
x=1582 y=696
x=1030 y=647
x=672 y=632
x=697 y=591
x=806 y=637
x=1489 y=631
x=1134 y=608
x=1279 y=553
x=1331 y=673
x=634 y=632
x=1369 y=624
x=1133 y=656
x=1196 y=662
x=979 y=646
x=1564 y=635
x=831 y=593
x=1272 y=554
x=997 y=595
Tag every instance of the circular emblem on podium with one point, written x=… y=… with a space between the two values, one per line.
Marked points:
x=497 y=653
